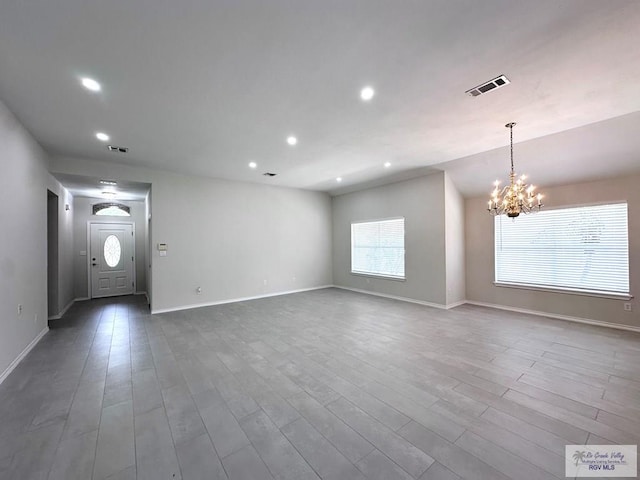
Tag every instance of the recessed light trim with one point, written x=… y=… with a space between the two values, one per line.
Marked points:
x=291 y=140
x=103 y=137
x=367 y=93
x=90 y=84
x=253 y=164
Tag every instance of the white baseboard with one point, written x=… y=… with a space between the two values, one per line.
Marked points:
x=234 y=300
x=63 y=311
x=69 y=305
x=23 y=354
x=140 y=293
x=394 y=297
x=538 y=313
x=455 y=304
x=588 y=321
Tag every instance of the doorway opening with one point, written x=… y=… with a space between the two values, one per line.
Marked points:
x=52 y=254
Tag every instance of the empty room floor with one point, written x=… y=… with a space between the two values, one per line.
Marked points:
x=325 y=384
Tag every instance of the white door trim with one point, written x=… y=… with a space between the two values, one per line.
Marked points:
x=133 y=251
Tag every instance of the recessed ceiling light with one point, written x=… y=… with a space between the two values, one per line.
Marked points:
x=253 y=164
x=108 y=182
x=102 y=136
x=90 y=84
x=339 y=179
x=367 y=93
x=291 y=140
x=387 y=164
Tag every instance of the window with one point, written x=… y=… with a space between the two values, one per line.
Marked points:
x=112 y=209
x=581 y=249
x=377 y=248
x=112 y=251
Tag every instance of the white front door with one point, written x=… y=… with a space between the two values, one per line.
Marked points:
x=111 y=259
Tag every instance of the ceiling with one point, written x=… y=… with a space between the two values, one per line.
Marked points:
x=83 y=186
x=205 y=87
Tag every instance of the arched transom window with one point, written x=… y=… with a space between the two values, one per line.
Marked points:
x=112 y=209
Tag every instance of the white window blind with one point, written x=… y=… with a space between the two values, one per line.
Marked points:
x=584 y=249
x=377 y=248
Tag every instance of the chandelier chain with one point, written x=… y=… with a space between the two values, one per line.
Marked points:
x=511 y=143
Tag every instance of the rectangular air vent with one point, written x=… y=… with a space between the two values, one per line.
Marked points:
x=114 y=148
x=269 y=174
x=485 y=87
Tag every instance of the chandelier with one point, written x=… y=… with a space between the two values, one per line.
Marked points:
x=517 y=197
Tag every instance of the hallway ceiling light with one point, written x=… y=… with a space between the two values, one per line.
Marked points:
x=90 y=84
x=387 y=164
x=339 y=179
x=253 y=164
x=517 y=197
x=102 y=136
x=291 y=140
x=367 y=93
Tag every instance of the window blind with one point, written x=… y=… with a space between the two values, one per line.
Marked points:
x=377 y=248
x=582 y=249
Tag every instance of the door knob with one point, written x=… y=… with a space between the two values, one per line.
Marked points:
x=94 y=264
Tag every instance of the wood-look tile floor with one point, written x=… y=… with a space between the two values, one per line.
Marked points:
x=326 y=384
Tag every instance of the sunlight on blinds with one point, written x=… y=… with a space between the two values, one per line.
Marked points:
x=377 y=248
x=582 y=249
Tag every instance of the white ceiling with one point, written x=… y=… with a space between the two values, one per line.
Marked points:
x=83 y=186
x=204 y=87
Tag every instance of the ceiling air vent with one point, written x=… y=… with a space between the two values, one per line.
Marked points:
x=269 y=174
x=485 y=87
x=114 y=148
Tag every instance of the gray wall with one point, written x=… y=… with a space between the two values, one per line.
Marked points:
x=421 y=202
x=455 y=243
x=480 y=255
x=82 y=215
x=23 y=243
x=228 y=238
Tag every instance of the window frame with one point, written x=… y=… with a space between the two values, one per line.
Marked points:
x=569 y=290
x=96 y=208
x=395 y=278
